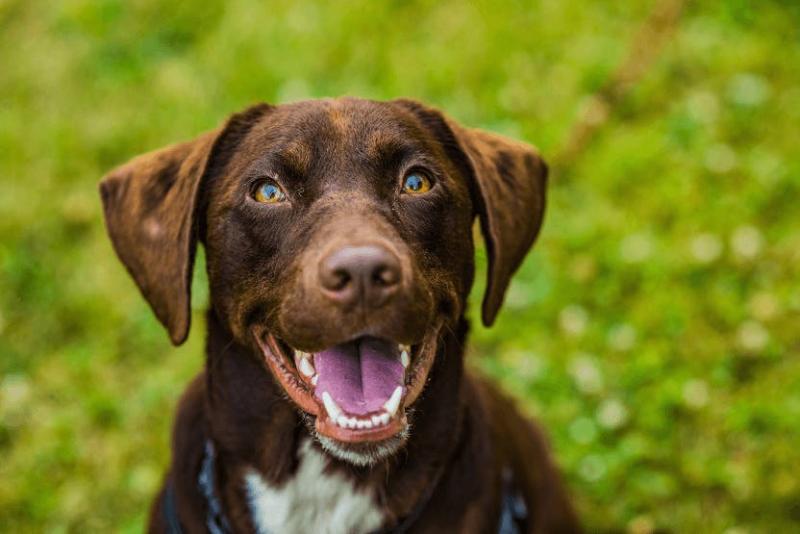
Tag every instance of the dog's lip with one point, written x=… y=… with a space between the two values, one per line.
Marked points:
x=278 y=356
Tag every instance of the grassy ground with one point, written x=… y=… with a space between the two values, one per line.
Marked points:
x=654 y=330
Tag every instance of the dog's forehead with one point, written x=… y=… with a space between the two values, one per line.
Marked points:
x=345 y=118
x=335 y=128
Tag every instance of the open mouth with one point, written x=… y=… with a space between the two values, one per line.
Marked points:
x=359 y=390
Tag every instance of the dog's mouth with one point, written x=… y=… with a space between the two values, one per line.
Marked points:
x=358 y=390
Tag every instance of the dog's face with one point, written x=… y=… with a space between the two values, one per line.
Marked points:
x=324 y=244
x=339 y=246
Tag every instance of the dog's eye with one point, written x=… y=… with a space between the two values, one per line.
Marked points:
x=416 y=183
x=268 y=192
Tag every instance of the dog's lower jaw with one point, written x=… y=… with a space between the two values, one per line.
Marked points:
x=366 y=454
x=372 y=453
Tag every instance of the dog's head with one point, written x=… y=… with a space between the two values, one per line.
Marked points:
x=338 y=243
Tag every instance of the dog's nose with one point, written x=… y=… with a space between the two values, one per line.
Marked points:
x=370 y=274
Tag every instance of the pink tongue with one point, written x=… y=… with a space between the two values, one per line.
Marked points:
x=360 y=375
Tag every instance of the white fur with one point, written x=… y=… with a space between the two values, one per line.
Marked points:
x=311 y=501
x=367 y=458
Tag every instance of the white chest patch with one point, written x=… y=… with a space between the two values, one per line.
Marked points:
x=311 y=501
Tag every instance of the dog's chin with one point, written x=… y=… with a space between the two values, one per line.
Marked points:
x=364 y=454
x=355 y=396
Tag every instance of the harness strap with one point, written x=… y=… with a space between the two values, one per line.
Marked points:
x=513 y=512
x=215 y=518
x=171 y=509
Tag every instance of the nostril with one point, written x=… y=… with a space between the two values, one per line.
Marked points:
x=339 y=279
x=335 y=278
x=386 y=276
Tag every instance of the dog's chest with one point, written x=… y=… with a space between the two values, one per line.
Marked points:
x=312 y=501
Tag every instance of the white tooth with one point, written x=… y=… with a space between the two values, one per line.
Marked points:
x=306 y=367
x=351 y=422
x=298 y=354
x=376 y=420
x=330 y=406
x=393 y=403
x=404 y=359
x=367 y=423
x=361 y=423
x=314 y=379
x=384 y=418
x=341 y=421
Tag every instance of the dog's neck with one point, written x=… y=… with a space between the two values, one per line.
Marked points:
x=255 y=427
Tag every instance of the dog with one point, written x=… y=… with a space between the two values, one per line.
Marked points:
x=339 y=251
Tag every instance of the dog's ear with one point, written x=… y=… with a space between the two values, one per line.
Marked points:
x=509 y=182
x=151 y=207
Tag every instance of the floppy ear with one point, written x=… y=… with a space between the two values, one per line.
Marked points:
x=511 y=180
x=509 y=190
x=151 y=212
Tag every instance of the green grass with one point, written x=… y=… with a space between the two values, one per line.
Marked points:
x=654 y=330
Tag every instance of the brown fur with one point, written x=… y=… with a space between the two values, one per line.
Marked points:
x=338 y=161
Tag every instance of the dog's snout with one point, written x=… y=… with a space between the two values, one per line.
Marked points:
x=368 y=274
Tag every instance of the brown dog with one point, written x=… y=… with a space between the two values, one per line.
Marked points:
x=340 y=256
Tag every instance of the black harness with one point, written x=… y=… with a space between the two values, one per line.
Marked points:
x=513 y=514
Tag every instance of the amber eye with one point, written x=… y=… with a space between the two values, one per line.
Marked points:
x=268 y=192
x=416 y=183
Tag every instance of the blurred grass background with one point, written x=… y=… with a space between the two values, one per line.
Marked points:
x=654 y=330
